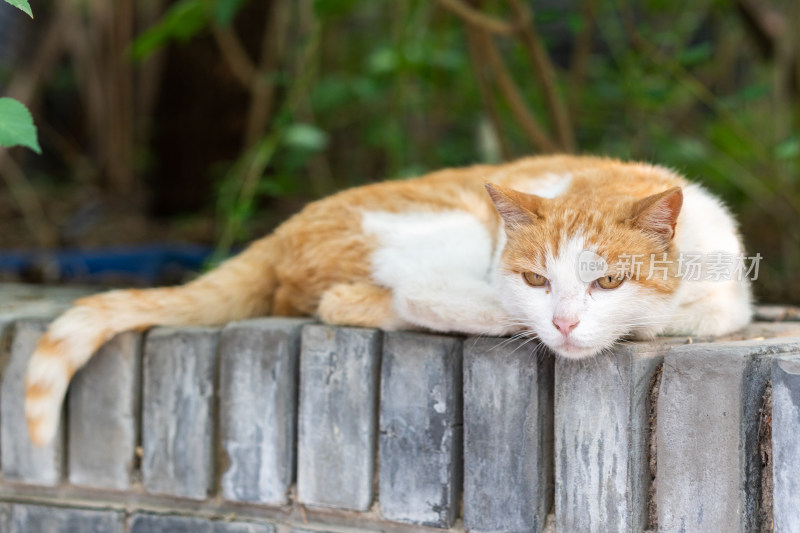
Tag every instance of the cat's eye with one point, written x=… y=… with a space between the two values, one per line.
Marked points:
x=534 y=280
x=609 y=282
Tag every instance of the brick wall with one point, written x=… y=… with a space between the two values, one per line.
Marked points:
x=279 y=425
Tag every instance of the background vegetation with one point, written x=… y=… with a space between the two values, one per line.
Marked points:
x=212 y=120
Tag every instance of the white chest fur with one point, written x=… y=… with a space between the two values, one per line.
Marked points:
x=419 y=247
x=439 y=268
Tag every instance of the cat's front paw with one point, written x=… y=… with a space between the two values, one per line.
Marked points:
x=644 y=334
x=455 y=315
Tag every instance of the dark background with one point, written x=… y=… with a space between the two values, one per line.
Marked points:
x=210 y=121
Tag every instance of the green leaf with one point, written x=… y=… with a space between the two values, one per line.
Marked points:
x=755 y=91
x=225 y=10
x=305 y=136
x=788 y=149
x=383 y=60
x=181 y=22
x=23 y=5
x=332 y=92
x=575 y=23
x=695 y=55
x=333 y=8
x=16 y=126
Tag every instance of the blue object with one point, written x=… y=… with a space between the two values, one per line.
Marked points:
x=145 y=264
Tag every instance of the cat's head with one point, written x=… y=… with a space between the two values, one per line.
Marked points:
x=580 y=272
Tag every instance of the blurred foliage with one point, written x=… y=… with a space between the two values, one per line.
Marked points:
x=22 y=5
x=182 y=21
x=365 y=90
x=16 y=124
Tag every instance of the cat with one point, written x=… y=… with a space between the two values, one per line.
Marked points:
x=438 y=253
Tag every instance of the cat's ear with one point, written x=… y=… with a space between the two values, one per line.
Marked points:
x=516 y=208
x=658 y=213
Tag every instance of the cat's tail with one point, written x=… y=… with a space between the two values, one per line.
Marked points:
x=241 y=287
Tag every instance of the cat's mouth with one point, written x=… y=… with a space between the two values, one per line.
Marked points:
x=571 y=350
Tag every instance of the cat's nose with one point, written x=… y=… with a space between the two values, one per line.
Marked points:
x=565 y=325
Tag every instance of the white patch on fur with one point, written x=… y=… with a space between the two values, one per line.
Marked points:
x=708 y=307
x=438 y=266
x=78 y=330
x=447 y=244
x=501 y=238
x=547 y=185
x=46 y=370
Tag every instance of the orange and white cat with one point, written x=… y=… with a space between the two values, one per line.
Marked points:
x=439 y=253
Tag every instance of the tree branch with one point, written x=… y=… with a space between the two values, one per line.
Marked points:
x=580 y=56
x=546 y=74
x=262 y=90
x=27 y=200
x=479 y=61
x=478 y=19
x=508 y=87
x=235 y=55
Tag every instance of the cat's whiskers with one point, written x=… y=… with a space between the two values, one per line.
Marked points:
x=525 y=343
x=521 y=335
x=650 y=319
x=539 y=351
x=526 y=331
x=645 y=323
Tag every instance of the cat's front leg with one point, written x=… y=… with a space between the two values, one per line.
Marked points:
x=360 y=304
x=455 y=306
x=645 y=333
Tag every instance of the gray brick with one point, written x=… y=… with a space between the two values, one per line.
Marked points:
x=601 y=428
x=103 y=416
x=338 y=416
x=6 y=334
x=785 y=450
x=241 y=527
x=349 y=530
x=24 y=300
x=40 y=519
x=420 y=429
x=761 y=330
x=178 y=411
x=21 y=461
x=508 y=436
x=147 y=523
x=5 y=517
x=708 y=420
x=258 y=406
x=776 y=313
